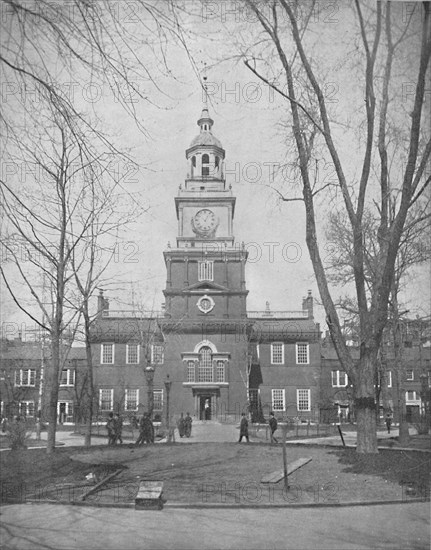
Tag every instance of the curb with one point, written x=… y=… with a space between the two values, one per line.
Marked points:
x=218 y=505
x=350 y=446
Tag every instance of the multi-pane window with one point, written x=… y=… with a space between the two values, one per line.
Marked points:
x=339 y=379
x=278 y=401
x=410 y=374
x=412 y=396
x=191 y=371
x=26 y=408
x=158 y=400
x=157 y=354
x=131 y=400
x=277 y=353
x=205 y=165
x=67 y=377
x=106 y=398
x=205 y=365
x=107 y=354
x=302 y=355
x=132 y=354
x=206 y=271
x=25 y=377
x=220 y=371
x=303 y=400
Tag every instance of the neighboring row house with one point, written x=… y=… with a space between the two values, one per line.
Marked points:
x=22 y=389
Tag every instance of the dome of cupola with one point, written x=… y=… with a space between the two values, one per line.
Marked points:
x=205 y=138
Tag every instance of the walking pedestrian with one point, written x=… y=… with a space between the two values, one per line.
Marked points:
x=118 y=428
x=243 y=428
x=388 y=421
x=110 y=426
x=188 y=425
x=181 y=425
x=146 y=430
x=272 y=427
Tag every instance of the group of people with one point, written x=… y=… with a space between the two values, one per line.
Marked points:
x=243 y=428
x=115 y=429
x=184 y=425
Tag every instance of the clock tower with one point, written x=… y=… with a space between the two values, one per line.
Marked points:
x=206 y=270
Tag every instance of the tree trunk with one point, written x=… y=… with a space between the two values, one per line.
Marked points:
x=365 y=405
x=52 y=386
x=90 y=377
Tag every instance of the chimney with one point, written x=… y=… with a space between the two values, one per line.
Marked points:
x=102 y=302
x=307 y=305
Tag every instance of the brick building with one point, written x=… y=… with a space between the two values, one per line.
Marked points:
x=406 y=378
x=218 y=358
x=22 y=367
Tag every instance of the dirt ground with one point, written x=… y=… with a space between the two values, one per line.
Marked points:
x=215 y=473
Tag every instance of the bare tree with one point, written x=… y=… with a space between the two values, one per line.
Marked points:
x=48 y=223
x=379 y=45
x=413 y=250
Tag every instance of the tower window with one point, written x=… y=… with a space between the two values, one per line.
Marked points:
x=205 y=165
x=206 y=271
x=194 y=162
x=217 y=162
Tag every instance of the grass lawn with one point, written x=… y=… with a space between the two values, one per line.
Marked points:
x=217 y=473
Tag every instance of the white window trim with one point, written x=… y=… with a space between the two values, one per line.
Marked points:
x=282 y=353
x=128 y=362
x=206 y=270
x=338 y=384
x=70 y=374
x=27 y=402
x=21 y=384
x=416 y=398
x=284 y=399
x=389 y=379
x=101 y=353
x=153 y=346
x=407 y=375
x=111 y=399
x=126 y=393
x=162 y=393
x=308 y=353
x=309 y=400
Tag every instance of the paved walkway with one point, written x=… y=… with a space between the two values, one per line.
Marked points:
x=27 y=526
x=214 y=432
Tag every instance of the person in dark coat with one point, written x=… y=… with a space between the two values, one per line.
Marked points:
x=181 y=425
x=243 y=428
x=146 y=431
x=118 y=424
x=388 y=421
x=110 y=426
x=188 y=425
x=272 y=427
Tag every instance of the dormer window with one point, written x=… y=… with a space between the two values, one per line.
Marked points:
x=205 y=165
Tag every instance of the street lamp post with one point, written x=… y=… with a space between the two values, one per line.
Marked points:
x=168 y=385
x=149 y=375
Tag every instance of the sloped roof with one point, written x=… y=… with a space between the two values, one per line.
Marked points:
x=206 y=138
x=285 y=329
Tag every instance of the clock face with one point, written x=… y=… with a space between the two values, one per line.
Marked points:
x=205 y=220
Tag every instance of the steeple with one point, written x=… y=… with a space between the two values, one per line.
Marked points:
x=205 y=122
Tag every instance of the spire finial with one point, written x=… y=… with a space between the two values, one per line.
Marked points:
x=204 y=78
